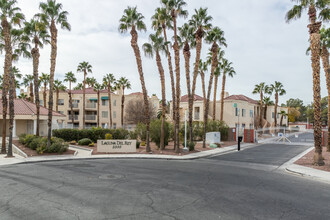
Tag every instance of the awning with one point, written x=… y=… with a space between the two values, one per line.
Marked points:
x=105 y=98
x=93 y=99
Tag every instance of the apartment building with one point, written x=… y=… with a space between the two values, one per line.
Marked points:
x=92 y=114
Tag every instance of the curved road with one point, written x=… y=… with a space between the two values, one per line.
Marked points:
x=240 y=185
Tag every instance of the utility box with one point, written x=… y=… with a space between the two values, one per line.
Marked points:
x=213 y=138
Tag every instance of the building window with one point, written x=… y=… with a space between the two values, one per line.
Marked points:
x=103 y=125
x=114 y=102
x=251 y=113
x=104 y=114
x=114 y=125
x=114 y=114
x=60 y=102
x=243 y=112
x=236 y=111
x=105 y=102
x=273 y=115
x=243 y=126
x=251 y=126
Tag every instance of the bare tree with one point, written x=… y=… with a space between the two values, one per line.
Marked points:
x=134 y=113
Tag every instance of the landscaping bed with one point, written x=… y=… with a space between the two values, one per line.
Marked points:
x=307 y=160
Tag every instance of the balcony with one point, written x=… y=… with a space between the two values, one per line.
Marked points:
x=74 y=105
x=75 y=117
x=91 y=105
x=90 y=117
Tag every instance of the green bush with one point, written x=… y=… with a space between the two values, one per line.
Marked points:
x=132 y=135
x=141 y=131
x=28 y=139
x=119 y=134
x=108 y=136
x=40 y=144
x=85 y=142
x=21 y=138
x=137 y=144
x=190 y=145
x=37 y=142
x=143 y=143
x=67 y=134
x=155 y=131
x=41 y=149
x=91 y=144
x=57 y=147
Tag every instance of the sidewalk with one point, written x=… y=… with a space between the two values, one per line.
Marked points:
x=85 y=154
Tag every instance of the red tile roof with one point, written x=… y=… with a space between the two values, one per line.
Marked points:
x=242 y=98
x=23 y=107
x=136 y=93
x=196 y=98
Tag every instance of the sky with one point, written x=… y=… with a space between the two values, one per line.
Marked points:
x=261 y=45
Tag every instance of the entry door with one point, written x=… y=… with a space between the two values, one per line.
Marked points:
x=29 y=127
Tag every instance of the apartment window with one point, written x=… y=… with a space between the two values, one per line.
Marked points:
x=273 y=115
x=237 y=126
x=243 y=126
x=103 y=125
x=114 y=102
x=60 y=102
x=243 y=112
x=104 y=114
x=114 y=125
x=236 y=111
x=105 y=102
x=251 y=113
x=251 y=126
x=114 y=114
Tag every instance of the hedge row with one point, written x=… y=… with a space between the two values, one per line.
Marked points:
x=94 y=134
x=39 y=144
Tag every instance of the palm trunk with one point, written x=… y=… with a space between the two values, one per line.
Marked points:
x=162 y=80
x=213 y=67
x=276 y=104
x=36 y=55
x=222 y=95
x=57 y=97
x=265 y=112
x=98 y=108
x=6 y=80
x=31 y=92
x=281 y=121
x=45 y=94
x=110 y=107
x=178 y=88
x=122 y=107
x=261 y=109
x=144 y=90
x=186 y=54
x=71 y=107
x=215 y=96
x=11 y=112
x=325 y=62
x=84 y=99
x=314 y=29
x=53 y=31
x=170 y=66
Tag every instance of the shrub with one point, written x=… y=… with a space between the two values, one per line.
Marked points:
x=108 y=136
x=190 y=145
x=73 y=142
x=28 y=139
x=119 y=134
x=143 y=143
x=37 y=142
x=137 y=144
x=132 y=135
x=91 y=144
x=58 y=147
x=155 y=131
x=22 y=138
x=85 y=141
x=66 y=134
x=41 y=149
x=141 y=131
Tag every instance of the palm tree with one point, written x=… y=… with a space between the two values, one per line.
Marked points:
x=282 y=113
x=79 y=86
x=109 y=83
x=123 y=83
x=200 y=22
x=227 y=69
x=202 y=69
x=28 y=83
x=52 y=14
x=22 y=96
x=70 y=77
x=10 y=16
x=17 y=76
x=278 y=89
x=156 y=46
x=58 y=86
x=90 y=81
x=97 y=88
x=133 y=20
x=85 y=68
x=44 y=78
x=217 y=73
x=261 y=89
x=161 y=21
x=36 y=32
x=187 y=38
x=267 y=102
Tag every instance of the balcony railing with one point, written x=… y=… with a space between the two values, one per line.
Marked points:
x=90 y=105
x=75 y=105
x=91 y=117
x=196 y=117
x=75 y=117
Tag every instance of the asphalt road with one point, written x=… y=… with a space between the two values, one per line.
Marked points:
x=241 y=185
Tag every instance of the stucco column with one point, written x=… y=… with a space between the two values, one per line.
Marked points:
x=35 y=126
x=14 y=128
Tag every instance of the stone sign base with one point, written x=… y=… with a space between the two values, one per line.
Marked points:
x=116 y=146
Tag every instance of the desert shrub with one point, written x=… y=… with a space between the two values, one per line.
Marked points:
x=91 y=144
x=28 y=139
x=85 y=141
x=137 y=144
x=21 y=138
x=41 y=149
x=37 y=142
x=119 y=134
x=57 y=147
x=190 y=145
x=73 y=142
x=143 y=143
x=141 y=131
x=132 y=135
x=108 y=136
x=155 y=130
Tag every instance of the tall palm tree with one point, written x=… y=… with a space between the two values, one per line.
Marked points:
x=52 y=14
x=97 y=88
x=36 y=32
x=17 y=76
x=91 y=81
x=228 y=70
x=58 y=86
x=123 y=83
x=133 y=20
x=202 y=69
x=186 y=39
x=161 y=21
x=79 y=86
x=156 y=46
x=22 y=96
x=261 y=89
x=267 y=102
x=175 y=8
x=10 y=15
x=200 y=22
x=70 y=77
x=85 y=68
x=278 y=89
x=28 y=83
x=109 y=83
x=44 y=78
x=217 y=73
